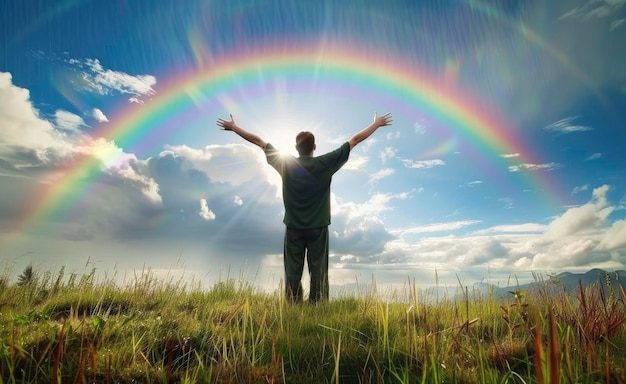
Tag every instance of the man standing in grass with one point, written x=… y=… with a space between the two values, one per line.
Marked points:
x=306 y=197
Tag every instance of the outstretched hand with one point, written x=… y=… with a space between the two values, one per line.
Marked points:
x=383 y=120
x=227 y=125
x=230 y=125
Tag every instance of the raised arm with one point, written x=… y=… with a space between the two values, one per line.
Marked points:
x=378 y=122
x=229 y=125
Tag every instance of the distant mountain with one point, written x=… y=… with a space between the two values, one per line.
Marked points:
x=569 y=282
x=565 y=282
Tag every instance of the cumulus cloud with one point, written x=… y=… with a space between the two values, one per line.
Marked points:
x=232 y=163
x=99 y=116
x=358 y=228
x=69 y=121
x=205 y=212
x=22 y=126
x=585 y=217
x=59 y=153
x=614 y=237
x=579 y=238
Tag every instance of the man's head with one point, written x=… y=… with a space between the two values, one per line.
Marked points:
x=305 y=143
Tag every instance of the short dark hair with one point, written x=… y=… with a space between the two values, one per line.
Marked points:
x=305 y=142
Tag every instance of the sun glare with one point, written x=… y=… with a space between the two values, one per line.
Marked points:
x=282 y=135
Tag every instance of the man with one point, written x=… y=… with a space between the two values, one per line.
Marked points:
x=306 y=197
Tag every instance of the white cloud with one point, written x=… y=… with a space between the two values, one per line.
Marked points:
x=419 y=128
x=231 y=163
x=509 y=155
x=594 y=156
x=364 y=145
x=436 y=227
x=507 y=202
x=237 y=201
x=387 y=153
x=614 y=237
x=393 y=135
x=205 y=212
x=473 y=183
x=148 y=186
x=377 y=204
x=535 y=167
x=579 y=238
x=23 y=127
x=99 y=116
x=593 y=9
x=566 y=126
x=590 y=216
x=422 y=164
x=359 y=228
x=381 y=174
x=513 y=228
x=68 y=121
x=356 y=162
x=579 y=189
x=617 y=23
x=103 y=81
x=47 y=155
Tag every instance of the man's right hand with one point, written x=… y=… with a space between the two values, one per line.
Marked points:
x=227 y=125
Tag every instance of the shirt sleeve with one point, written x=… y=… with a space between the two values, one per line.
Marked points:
x=271 y=154
x=273 y=157
x=336 y=159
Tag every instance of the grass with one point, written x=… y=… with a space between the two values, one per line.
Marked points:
x=74 y=329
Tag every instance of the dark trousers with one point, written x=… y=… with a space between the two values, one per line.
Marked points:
x=312 y=243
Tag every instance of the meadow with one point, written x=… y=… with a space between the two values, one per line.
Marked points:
x=58 y=327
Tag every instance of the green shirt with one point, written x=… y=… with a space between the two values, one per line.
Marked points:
x=306 y=185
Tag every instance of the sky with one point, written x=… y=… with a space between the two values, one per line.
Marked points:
x=504 y=160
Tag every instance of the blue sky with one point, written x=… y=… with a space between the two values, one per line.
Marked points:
x=411 y=203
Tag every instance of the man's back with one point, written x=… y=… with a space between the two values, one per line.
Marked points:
x=306 y=185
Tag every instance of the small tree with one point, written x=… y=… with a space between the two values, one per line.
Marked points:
x=27 y=278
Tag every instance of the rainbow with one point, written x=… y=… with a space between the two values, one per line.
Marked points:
x=344 y=69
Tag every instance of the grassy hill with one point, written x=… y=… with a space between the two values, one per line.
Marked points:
x=74 y=329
